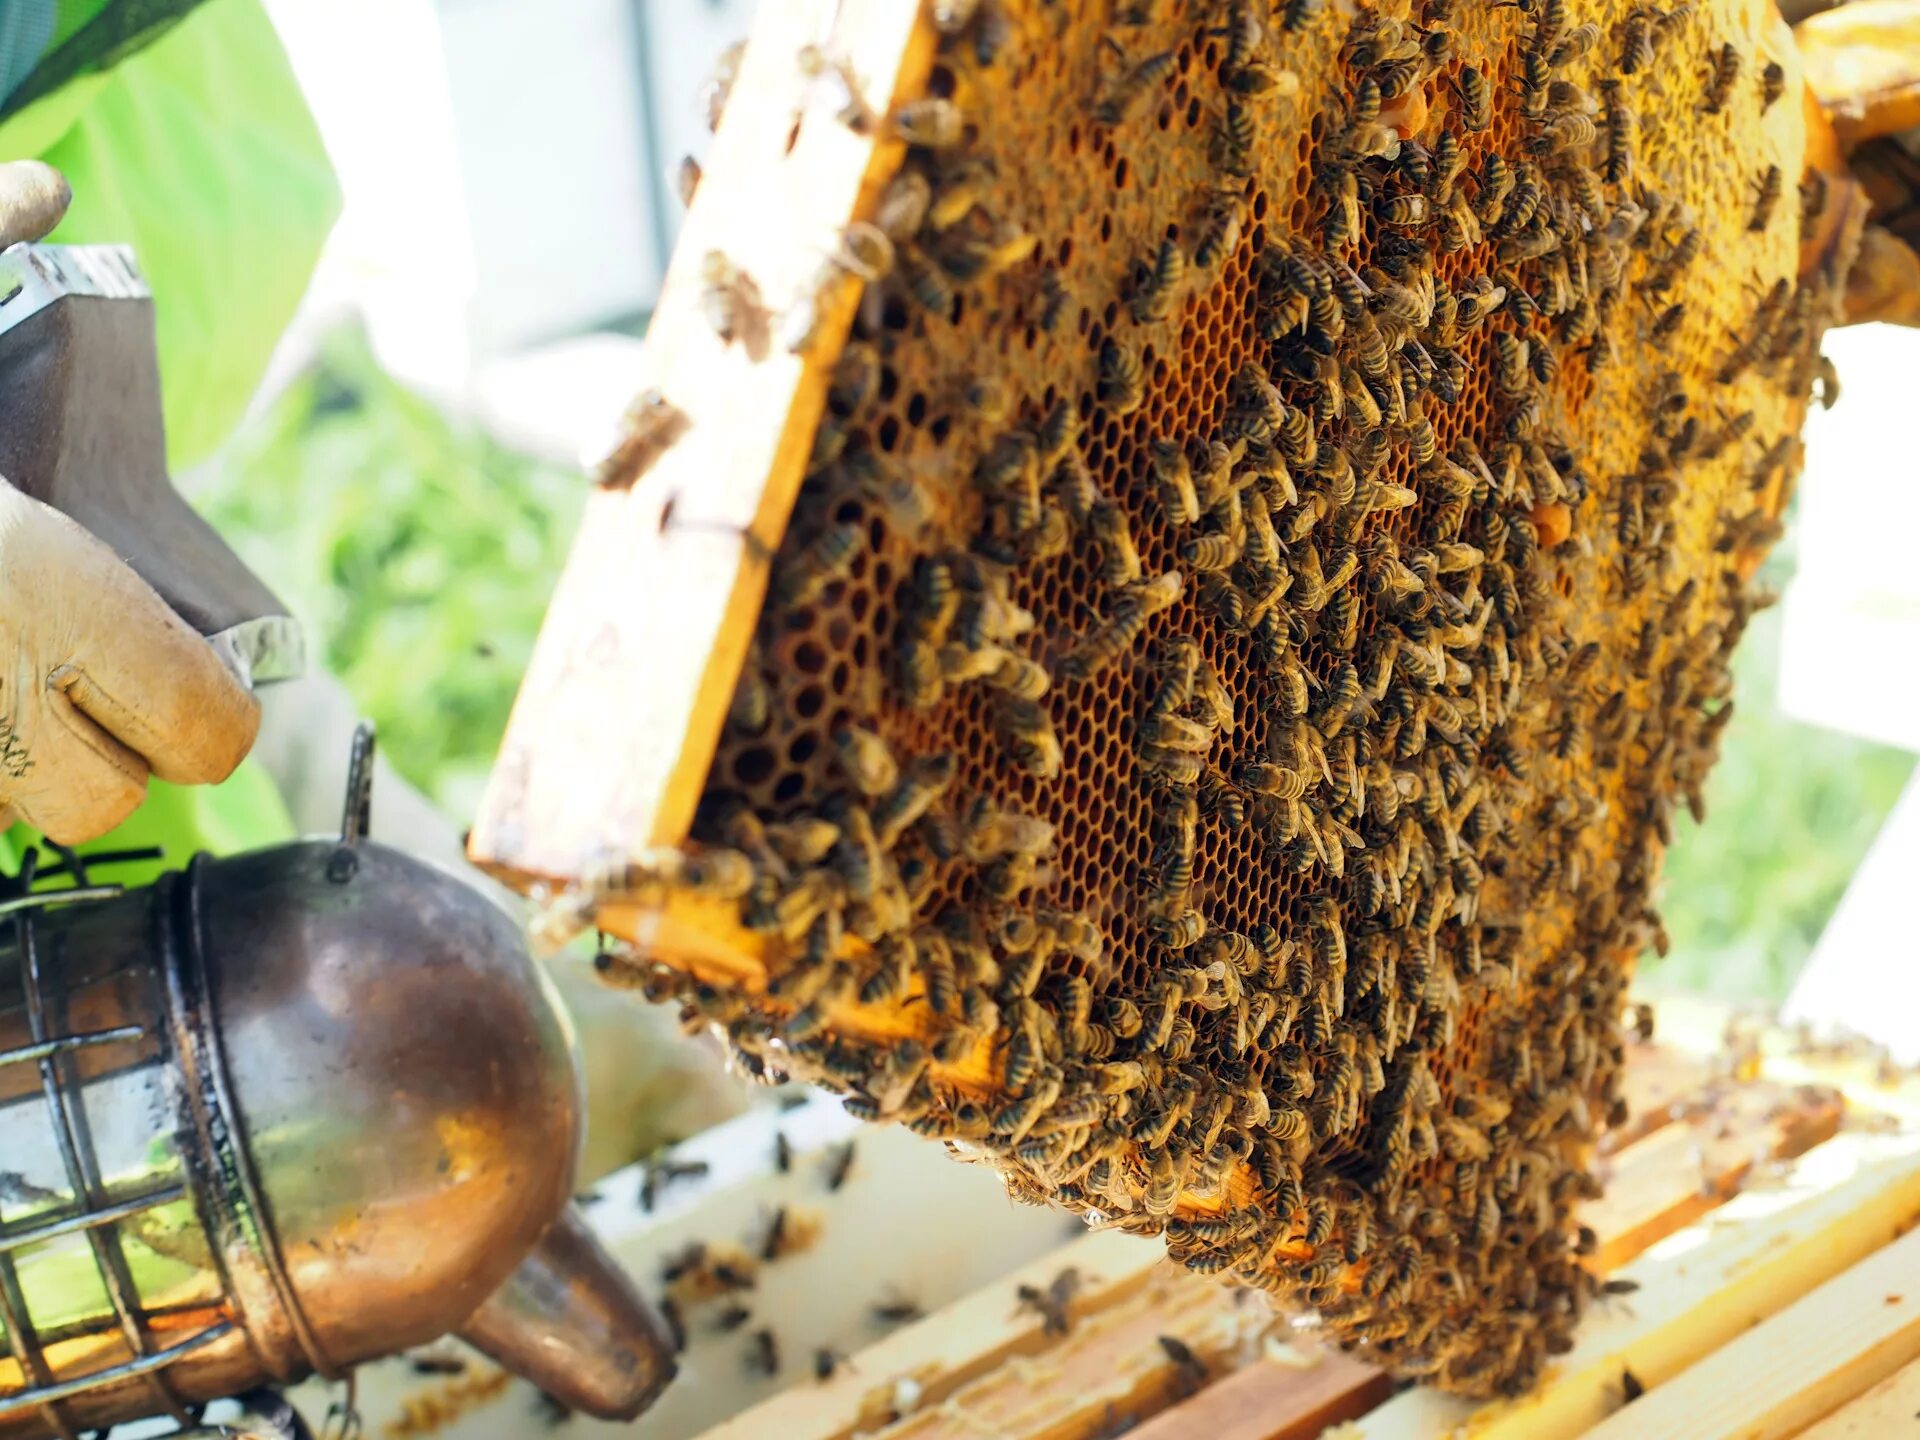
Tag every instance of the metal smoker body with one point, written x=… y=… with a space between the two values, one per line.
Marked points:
x=280 y=1114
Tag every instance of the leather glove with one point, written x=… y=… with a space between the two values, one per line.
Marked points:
x=100 y=682
x=33 y=198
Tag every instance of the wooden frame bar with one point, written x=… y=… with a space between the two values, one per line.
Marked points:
x=622 y=706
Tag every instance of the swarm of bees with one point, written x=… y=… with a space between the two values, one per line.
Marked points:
x=1264 y=581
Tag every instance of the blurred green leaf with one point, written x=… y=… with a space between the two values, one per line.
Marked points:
x=419 y=553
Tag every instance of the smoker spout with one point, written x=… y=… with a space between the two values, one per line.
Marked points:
x=571 y=1321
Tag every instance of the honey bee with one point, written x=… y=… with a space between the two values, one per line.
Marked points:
x=1127 y=91
x=1165 y=1177
x=1175 y=766
x=730 y=299
x=1214 y=552
x=1154 y=298
x=1213 y=699
x=1297 y=14
x=1174 y=475
x=923 y=780
x=1636 y=40
x=1225 y=217
x=1476 y=98
x=1123 y=381
x=963 y=187
x=832 y=71
x=1234 y=140
x=1176 y=732
x=1767 y=198
x=866 y=759
x=1727 y=61
x=717 y=88
x=1031 y=739
x=1773 y=84
x=1120 y=559
x=1510 y=356
x=934 y=123
x=925 y=281
x=648 y=431
x=1073 y=481
x=803 y=842
x=826 y=559
x=1059 y=428
x=1576 y=42
x=1571 y=131
x=1181 y=930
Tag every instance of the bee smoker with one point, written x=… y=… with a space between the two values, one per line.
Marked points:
x=276 y=1115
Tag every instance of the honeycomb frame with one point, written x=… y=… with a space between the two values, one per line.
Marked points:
x=1458 y=1048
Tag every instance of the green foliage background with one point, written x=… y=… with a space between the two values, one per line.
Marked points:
x=422 y=554
x=419 y=553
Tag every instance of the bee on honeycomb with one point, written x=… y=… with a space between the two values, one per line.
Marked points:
x=1264 y=580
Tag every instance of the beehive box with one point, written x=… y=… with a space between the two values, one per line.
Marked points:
x=1154 y=631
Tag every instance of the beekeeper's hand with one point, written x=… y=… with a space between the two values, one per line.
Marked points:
x=100 y=683
x=33 y=198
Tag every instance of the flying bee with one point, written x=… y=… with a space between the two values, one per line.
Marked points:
x=1773 y=84
x=1767 y=198
x=1720 y=79
x=1154 y=298
x=934 y=123
x=1123 y=381
x=1476 y=98
x=1127 y=91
